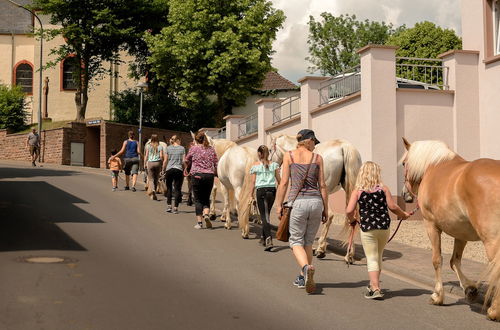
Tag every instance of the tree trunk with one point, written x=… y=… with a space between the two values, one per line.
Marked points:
x=220 y=111
x=81 y=95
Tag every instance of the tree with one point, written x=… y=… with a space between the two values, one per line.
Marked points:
x=424 y=40
x=95 y=32
x=12 y=108
x=215 y=48
x=333 y=41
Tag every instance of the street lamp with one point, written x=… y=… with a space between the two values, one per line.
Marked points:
x=41 y=65
x=142 y=87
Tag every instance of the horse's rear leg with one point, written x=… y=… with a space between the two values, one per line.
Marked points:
x=434 y=233
x=213 y=196
x=231 y=207
x=470 y=288
x=321 y=249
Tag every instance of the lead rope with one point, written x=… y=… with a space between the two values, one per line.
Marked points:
x=399 y=224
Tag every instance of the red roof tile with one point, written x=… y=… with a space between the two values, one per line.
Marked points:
x=275 y=81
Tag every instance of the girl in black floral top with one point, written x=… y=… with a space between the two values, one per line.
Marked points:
x=374 y=200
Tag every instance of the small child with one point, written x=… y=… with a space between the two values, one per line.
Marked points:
x=374 y=200
x=115 y=165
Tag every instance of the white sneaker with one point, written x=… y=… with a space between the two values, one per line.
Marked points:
x=199 y=225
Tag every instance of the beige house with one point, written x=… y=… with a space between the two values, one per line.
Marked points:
x=20 y=62
x=377 y=103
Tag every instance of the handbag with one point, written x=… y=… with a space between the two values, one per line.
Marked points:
x=283 y=232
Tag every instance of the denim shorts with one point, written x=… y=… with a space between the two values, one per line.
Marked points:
x=305 y=219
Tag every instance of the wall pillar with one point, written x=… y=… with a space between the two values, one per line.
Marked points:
x=309 y=98
x=378 y=97
x=463 y=78
x=265 y=117
x=232 y=122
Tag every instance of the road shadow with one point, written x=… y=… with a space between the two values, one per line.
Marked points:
x=14 y=172
x=337 y=246
x=30 y=213
x=388 y=294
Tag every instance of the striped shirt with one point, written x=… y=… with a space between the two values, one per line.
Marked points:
x=311 y=184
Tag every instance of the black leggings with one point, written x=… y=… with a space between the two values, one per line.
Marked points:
x=173 y=179
x=265 y=201
x=202 y=188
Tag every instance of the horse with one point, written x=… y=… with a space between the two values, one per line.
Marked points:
x=341 y=165
x=234 y=175
x=220 y=146
x=460 y=198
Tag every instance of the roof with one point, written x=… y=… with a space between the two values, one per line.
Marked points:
x=275 y=81
x=15 y=20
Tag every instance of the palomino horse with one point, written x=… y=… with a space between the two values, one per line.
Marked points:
x=341 y=161
x=234 y=175
x=460 y=198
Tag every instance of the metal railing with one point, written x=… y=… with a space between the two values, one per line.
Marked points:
x=286 y=109
x=427 y=72
x=247 y=125
x=343 y=84
x=221 y=133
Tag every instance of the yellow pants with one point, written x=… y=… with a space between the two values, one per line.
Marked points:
x=374 y=242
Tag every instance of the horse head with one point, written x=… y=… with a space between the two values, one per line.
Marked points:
x=280 y=145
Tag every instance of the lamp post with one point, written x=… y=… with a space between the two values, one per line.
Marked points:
x=142 y=86
x=41 y=64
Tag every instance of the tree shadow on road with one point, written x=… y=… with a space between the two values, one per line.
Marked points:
x=30 y=213
x=19 y=172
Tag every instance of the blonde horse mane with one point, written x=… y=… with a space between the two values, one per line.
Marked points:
x=423 y=154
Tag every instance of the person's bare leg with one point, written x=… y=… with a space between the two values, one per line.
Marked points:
x=301 y=255
x=374 y=279
x=127 y=180
x=134 y=180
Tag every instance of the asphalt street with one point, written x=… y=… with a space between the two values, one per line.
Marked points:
x=129 y=265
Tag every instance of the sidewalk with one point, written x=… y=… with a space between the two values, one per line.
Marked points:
x=407 y=261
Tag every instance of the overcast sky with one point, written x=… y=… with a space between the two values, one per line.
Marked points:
x=291 y=44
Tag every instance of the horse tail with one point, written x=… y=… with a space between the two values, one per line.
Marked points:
x=492 y=276
x=245 y=198
x=352 y=164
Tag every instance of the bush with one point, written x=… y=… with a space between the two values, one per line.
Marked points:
x=12 y=108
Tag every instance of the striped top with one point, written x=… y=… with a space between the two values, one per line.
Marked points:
x=311 y=185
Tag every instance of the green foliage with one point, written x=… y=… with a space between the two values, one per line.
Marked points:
x=95 y=31
x=424 y=40
x=334 y=40
x=12 y=108
x=213 y=47
x=160 y=109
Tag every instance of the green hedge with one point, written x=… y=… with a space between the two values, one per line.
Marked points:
x=12 y=108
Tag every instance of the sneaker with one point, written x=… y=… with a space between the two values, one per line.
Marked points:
x=268 y=244
x=114 y=189
x=127 y=188
x=206 y=217
x=133 y=189
x=308 y=271
x=299 y=282
x=376 y=294
x=175 y=210
x=169 y=208
x=199 y=225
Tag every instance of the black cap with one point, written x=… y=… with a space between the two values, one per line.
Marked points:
x=307 y=134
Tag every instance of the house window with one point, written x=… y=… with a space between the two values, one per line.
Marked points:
x=23 y=76
x=496 y=27
x=69 y=67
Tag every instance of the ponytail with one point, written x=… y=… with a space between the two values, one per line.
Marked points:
x=201 y=138
x=263 y=153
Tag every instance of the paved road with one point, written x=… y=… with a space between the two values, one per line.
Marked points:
x=132 y=266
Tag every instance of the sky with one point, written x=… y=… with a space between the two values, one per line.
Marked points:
x=291 y=42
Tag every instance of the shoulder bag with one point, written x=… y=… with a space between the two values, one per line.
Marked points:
x=283 y=233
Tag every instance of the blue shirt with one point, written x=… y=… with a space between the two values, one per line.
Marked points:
x=264 y=177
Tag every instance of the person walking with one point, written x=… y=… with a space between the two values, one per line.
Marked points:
x=132 y=150
x=33 y=143
x=308 y=198
x=374 y=200
x=153 y=163
x=174 y=176
x=265 y=175
x=115 y=166
x=202 y=161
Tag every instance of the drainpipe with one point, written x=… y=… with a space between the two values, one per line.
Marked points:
x=12 y=56
x=110 y=90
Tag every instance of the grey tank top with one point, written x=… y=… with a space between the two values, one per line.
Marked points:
x=311 y=185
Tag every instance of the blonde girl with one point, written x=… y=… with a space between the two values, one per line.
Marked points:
x=153 y=162
x=374 y=200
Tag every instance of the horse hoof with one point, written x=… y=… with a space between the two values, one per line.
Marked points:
x=320 y=254
x=245 y=236
x=471 y=293
x=213 y=217
x=435 y=300
x=493 y=315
